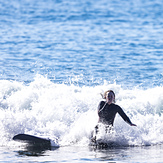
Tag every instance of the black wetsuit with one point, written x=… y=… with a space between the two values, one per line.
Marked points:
x=107 y=115
x=108 y=112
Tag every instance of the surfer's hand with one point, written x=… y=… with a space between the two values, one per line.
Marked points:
x=133 y=124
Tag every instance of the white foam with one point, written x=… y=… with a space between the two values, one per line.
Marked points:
x=69 y=112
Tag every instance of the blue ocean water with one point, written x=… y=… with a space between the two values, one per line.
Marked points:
x=57 y=56
x=115 y=41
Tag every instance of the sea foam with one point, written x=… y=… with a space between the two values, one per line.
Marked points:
x=69 y=112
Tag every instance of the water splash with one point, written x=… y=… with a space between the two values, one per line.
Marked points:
x=69 y=112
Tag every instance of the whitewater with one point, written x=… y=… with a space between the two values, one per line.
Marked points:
x=69 y=112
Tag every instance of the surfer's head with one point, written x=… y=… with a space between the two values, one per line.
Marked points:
x=109 y=96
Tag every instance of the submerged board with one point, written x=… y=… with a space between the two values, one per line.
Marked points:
x=103 y=143
x=99 y=144
x=33 y=140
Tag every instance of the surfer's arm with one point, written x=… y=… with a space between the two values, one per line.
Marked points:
x=125 y=117
x=101 y=106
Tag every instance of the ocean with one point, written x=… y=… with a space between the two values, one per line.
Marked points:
x=58 y=56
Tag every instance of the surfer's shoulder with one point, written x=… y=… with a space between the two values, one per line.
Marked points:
x=102 y=103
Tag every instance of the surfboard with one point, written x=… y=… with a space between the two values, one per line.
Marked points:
x=33 y=140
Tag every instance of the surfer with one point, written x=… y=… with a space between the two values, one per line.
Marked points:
x=107 y=111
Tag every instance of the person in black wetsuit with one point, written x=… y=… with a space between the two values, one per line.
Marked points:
x=107 y=111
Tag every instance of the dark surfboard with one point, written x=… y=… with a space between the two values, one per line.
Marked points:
x=33 y=140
